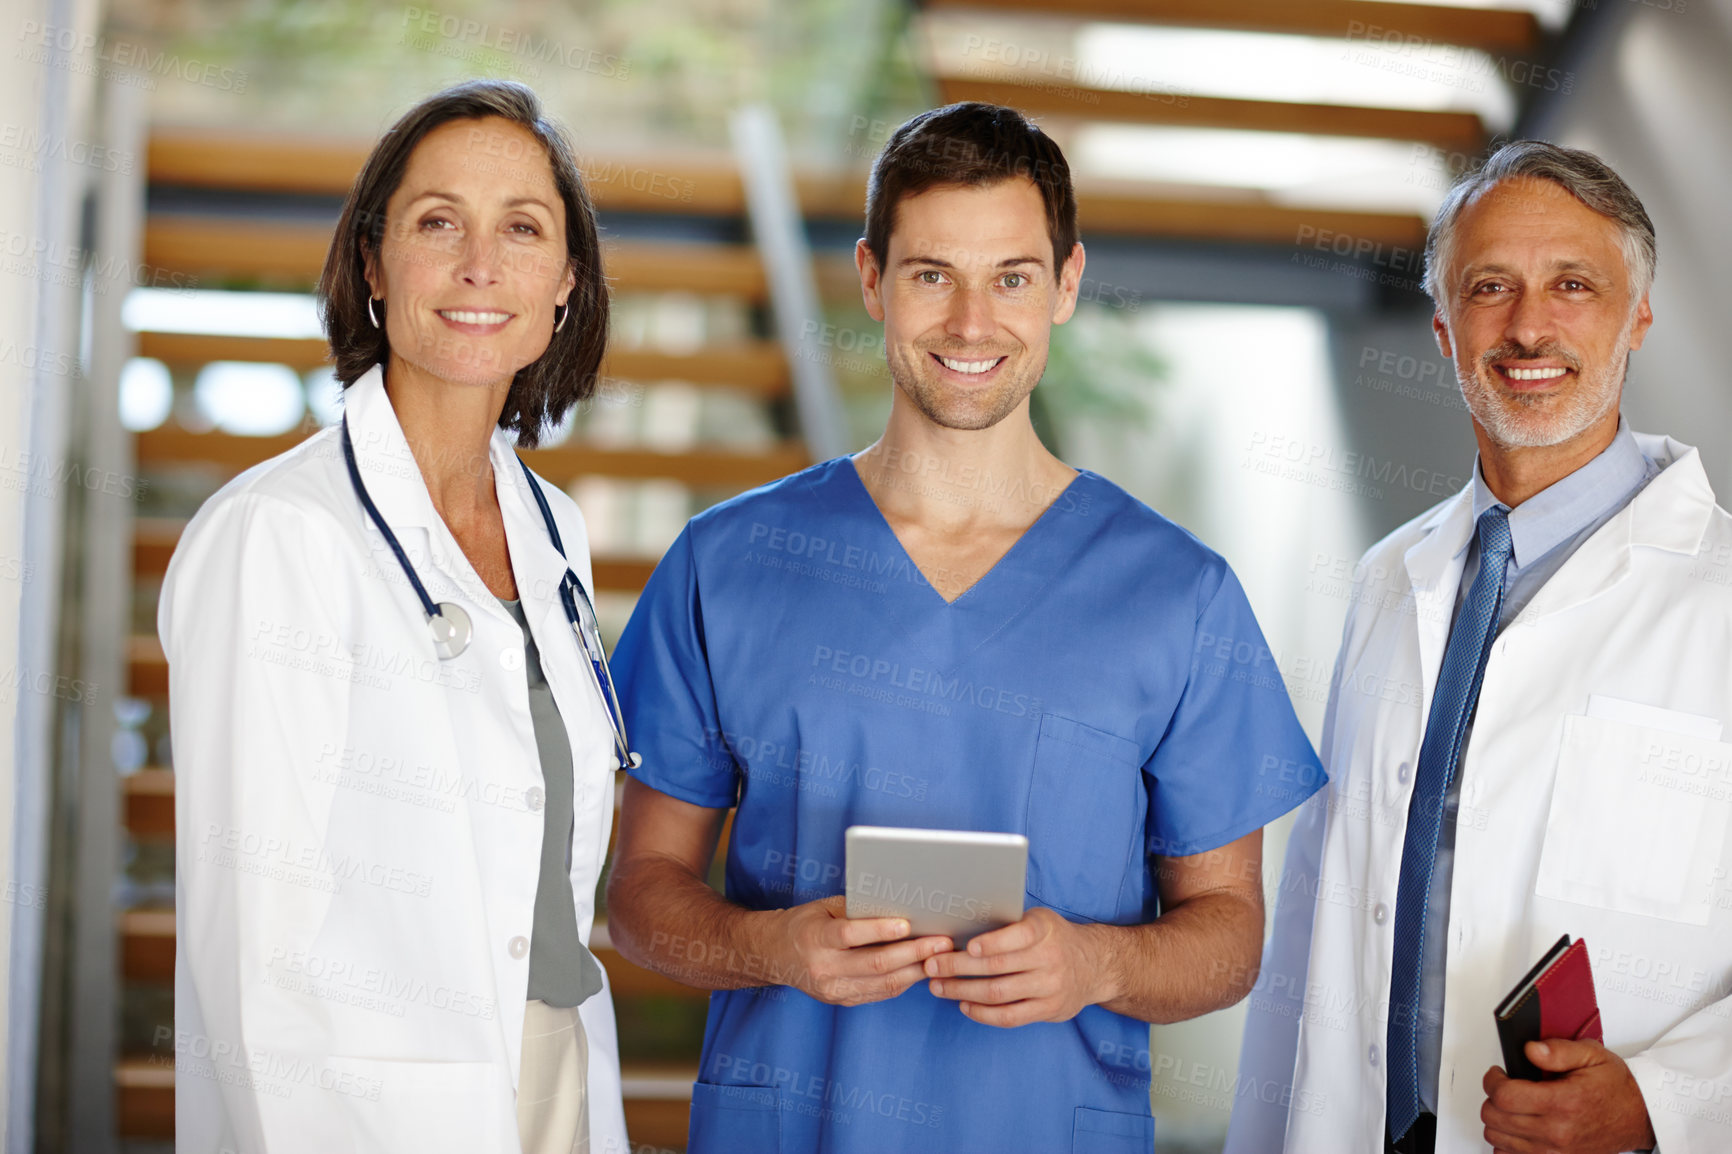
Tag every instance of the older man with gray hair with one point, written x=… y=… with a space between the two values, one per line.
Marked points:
x=1524 y=738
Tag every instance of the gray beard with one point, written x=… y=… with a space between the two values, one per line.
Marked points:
x=1520 y=423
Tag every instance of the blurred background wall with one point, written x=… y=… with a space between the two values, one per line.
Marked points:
x=1252 y=357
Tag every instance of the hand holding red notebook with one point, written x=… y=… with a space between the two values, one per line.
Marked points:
x=1555 y=1000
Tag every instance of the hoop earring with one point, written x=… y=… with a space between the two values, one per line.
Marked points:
x=370 y=315
x=562 y=318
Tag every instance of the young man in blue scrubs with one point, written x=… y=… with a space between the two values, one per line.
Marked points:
x=952 y=630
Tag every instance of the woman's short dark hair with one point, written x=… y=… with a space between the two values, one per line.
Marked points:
x=565 y=373
x=969 y=144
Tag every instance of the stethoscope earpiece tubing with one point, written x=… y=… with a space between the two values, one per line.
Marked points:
x=379 y=522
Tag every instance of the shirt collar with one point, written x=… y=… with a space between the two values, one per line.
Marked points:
x=1559 y=512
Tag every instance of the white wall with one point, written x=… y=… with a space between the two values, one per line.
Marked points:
x=1248 y=388
x=21 y=95
x=1653 y=98
x=47 y=103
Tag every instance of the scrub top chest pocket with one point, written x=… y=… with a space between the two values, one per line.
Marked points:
x=1086 y=805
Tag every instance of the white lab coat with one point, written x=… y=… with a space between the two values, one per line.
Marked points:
x=1606 y=821
x=359 y=822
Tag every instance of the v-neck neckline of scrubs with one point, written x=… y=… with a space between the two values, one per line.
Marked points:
x=1000 y=596
x=884 y=522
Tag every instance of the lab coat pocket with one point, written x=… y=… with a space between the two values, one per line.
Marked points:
x=1110 y=1132
x=1638 y=820
x=1083 y=816
x=424 y=1107
x=735 y=1120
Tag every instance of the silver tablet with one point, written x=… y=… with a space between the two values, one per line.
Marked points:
x=944 y=881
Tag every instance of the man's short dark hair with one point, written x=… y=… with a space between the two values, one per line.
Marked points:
x=969 y=145
x=543 y=390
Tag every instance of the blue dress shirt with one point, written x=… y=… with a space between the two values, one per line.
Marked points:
x=1546 y=530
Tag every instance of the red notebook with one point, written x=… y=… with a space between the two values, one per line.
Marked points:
x=1555 y=1000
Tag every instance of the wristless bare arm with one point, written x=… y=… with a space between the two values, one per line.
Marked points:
x=664 y=916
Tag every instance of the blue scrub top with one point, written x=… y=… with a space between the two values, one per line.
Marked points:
x=1104 y=689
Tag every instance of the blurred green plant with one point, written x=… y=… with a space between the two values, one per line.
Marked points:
x=625 y=73
x=1103 y=368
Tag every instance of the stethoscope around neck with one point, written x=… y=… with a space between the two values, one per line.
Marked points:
x=452 y=629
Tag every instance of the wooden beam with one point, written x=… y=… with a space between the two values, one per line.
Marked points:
x=621 y=574
x=1494 y=30
x=709 y=269
x=146 y=666
x=1245 y=220
x=704 y=183
x=698 y=468
x=194 y=350
x=275 y=162
x=144 y=1097
x=147 y=945
x=1450 y=131
x=149 y=795
x=169 y=447
x=754 y=367
x=320 y=165
x=1139 y=212
x=659 y=1123
x=202 y=246
x=154 y=540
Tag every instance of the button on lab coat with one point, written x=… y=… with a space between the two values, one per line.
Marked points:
x=1596 y=801
x=359 y=832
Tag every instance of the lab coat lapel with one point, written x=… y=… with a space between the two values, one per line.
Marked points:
x=1434 y=567
x=535 y=563
x=1670 y=513
x=387 y=466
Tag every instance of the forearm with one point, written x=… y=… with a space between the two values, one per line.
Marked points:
x=665 y=919
x=1198 y=957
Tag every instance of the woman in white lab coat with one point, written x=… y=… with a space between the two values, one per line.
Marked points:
x=394 y=763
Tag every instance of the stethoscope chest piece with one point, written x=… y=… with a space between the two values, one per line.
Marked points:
x=452 y=630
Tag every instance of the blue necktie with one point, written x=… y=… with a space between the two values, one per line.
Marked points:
x=1453 y=703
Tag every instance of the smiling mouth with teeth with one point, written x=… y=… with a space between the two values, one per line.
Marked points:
x=468 y=317
x=971 y=368
x=1545 y=374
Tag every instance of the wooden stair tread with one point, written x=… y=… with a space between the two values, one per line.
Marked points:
x=219 y=160
x=147 y=799
x=147 y=1073
x=1451 y=131
x=1493 y=30
x=169 y=446
x=756 y=367
x=154 y=540
x=1248 y=218
x=286 y=251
